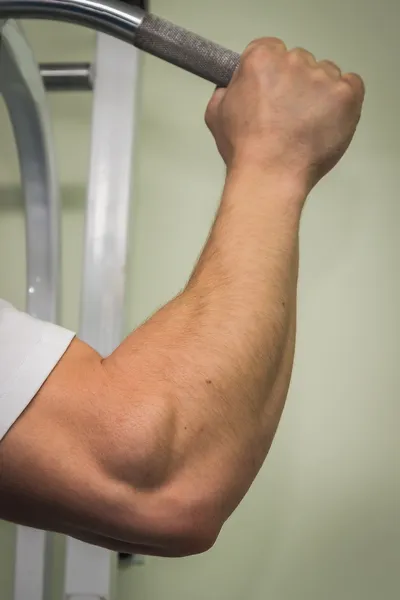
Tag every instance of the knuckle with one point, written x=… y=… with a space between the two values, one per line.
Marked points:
x=255 y=59
x=298 y=56
x=275 y=43
x=256 y=49
x=344 y=90
x=294 y=56
x=331 y=68
x=356 y=83
x=262 y=47
x=320 y=75
x=347 y=95
x=333 y=65
x=253 y=46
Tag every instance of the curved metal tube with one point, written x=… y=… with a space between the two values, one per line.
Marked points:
x=22 y=88
x=111 y=17
x=132 y=24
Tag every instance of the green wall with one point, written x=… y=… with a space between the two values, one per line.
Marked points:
x=322 y=521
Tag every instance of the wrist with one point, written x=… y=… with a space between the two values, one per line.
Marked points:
x=283 y=187
x=273 y=164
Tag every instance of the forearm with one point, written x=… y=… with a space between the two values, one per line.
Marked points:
x=214 y=365
x=247 y=275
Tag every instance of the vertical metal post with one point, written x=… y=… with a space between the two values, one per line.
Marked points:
x=22 y=88
x=88 y=569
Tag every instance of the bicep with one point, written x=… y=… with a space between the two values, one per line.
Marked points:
x=47 y=458
x=57 y=463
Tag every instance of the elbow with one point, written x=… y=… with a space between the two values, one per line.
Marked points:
x=174 y=520
x=190 y=541
x=184 y=513
x=194 y=527
x=154 y=497
x=180 y=521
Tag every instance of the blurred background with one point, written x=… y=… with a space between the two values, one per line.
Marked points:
x=322 y=521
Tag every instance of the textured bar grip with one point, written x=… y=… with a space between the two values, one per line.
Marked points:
x=186 y=50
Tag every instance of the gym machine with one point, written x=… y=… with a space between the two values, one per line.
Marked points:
x=123 y=27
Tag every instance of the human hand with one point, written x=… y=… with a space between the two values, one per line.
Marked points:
x=286 y=113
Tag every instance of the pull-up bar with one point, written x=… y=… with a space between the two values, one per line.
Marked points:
x=134 y=25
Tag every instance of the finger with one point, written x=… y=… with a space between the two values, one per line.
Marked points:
x=304 y=55
x=213 y=105
x=331 y=68
x=217 y=97
x=267 y=43
x=356 y=83
x=274 y=43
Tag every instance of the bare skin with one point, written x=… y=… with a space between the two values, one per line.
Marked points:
x=153 y=448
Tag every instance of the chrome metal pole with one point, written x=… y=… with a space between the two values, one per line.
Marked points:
x=131 y=24
x=107 y=16
x=67 y=77
x=88 y=571
x=22 y=89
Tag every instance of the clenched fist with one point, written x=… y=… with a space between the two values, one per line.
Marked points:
x=286 y=113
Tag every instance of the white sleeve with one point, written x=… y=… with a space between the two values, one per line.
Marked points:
x=29 y=351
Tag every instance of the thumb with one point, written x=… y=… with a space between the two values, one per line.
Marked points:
x=214 y=104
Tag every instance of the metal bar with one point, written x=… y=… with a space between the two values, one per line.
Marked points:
x=22 y=88
x=25 y=98
x=144 y=4
x=67 y=77
x=88 y=569
x=106 y=16
x=131 y=24
x=107 y=219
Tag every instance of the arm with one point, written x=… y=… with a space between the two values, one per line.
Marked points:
x=153 y=448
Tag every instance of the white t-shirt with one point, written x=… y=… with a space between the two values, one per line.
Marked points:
x=29 y=351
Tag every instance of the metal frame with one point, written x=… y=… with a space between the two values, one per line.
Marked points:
x=114 y=78
x=22 y=88
x=111 y=17
x=67 y=77
x=88 y=569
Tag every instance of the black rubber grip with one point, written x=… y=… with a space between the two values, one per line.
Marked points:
x=186 y=50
